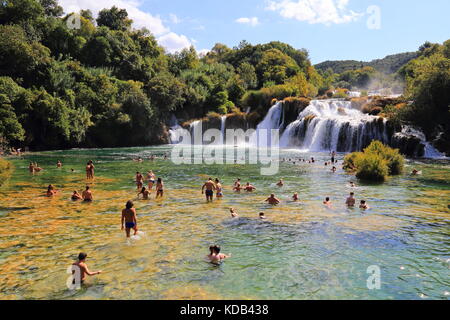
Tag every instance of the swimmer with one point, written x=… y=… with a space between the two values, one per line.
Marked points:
x=237 y=185
x=37 y=168
x=84 y=270
x=352 y=184
x=31 y=167
x=210 y=188
x=295 y=197
x=139 y=180
x=87 y=194
x=262 y=216
x=350 y=202
x=416 y=172
x=364 y=205
x=327 y=202
x=333 y=155
x=76 y=196
x=51 y=191
x=326 y=164
x=145 y=193
x=215 y=256
x=249 y=187
x=233 y=213
x=72 y=170
x=272 y=200
x=159 y=188
x=59 y=164
x=312 y=160
x=280 y=183
x=333 y=169
x=219 y=189
x=129 y=220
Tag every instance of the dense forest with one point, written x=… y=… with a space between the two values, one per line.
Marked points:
x=106 y=84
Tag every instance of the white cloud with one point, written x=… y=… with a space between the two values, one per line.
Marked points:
x=174 y=42
x=169 y=40
x=251 y=21
x=174 y=19
x=315 y=11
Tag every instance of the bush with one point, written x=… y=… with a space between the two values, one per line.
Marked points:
x=5 y=171
x=375 y=163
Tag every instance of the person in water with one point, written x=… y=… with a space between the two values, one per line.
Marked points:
x=151 y=179
x=352 y=184
x=37 y=168
x=333 y=155
x=233 y=213
x=262 y=216
x=249 y=187
x=333 y=169
x=272 y=200
x=159 y=188
x=237 y=185
x=51 y=191
x=351 y=201
x=145 y=193
x=364 y=205
x=89 y=170
x=295 y=197
x=215 y=256
x=59 y=164
x=84 y=270
x=139 y=180
x=129 y=220
x=327 y=202
x=76 y=196
x=31 y=167
x=87 y=194
x=280 y=183
x=219 y=189
x=210 y=188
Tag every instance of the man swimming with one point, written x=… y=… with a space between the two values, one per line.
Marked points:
x=84 y=270
x=129 y=220
x=280 y=183
x=350 y=202
x=333 y=169
x=87 y=194
x=327 y=202
x=272 y=200
x=262 y=216
x=249 y=187
x=219 y=189
x=215 y=256
x=76 y=196
x=233 y=213
x=59 y=164
x=145 y=193
x=51 y=191
x=210 y=187
x=295 y=197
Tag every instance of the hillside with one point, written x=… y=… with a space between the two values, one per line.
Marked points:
x=390 y=64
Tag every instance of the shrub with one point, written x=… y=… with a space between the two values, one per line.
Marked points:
x=375 y=163
x=5 y=171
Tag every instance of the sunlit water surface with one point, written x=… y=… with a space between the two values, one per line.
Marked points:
x=303 y=251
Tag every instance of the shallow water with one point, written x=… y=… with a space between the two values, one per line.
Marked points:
x=303 y=251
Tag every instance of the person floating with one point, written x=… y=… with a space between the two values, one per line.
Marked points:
x=84 y=270
x=129 y=220
x=272 y=200
x=210 y=188
x=87 y=195
x=351 y=201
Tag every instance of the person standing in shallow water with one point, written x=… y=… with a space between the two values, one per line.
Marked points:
x=351 y=201
x=159 y=188
x=87 y=195
x=219 y=189
x=210 y=187
x=129 y=220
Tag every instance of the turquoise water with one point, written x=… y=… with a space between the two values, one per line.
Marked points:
x=303 y=251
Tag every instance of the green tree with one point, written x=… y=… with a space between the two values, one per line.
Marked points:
x=114 y=19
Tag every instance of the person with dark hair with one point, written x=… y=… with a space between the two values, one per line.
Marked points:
x=90 y=170
x=280 y=183
x=233 y=213
x=262 y=216
x=84 y=270
x=237 y=185
x=210 y=187
x=272 y=200
x=215 y=256
x=145 y=193
x=219 y=189
x=350 y=202
x=129 y=220
x=364 y=205
x=87 y=194
x=76 y=196
x=327 y=202
x=59 y=164
x=51 y=190
x=139 y=180
x=295 y=197
x=159 y=188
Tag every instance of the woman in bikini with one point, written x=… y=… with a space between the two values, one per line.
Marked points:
x=159 y=188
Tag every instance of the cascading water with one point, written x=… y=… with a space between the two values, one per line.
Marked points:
x=176 y=132
x=273 y=120
x=222 y=129
x=327 y=125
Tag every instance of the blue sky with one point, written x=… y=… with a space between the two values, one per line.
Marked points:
x=328 y=29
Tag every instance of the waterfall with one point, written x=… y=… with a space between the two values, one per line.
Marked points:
x=273 y=120
x=327 y=125
x=222 y=129
x=176 y=132
x=429 y=150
